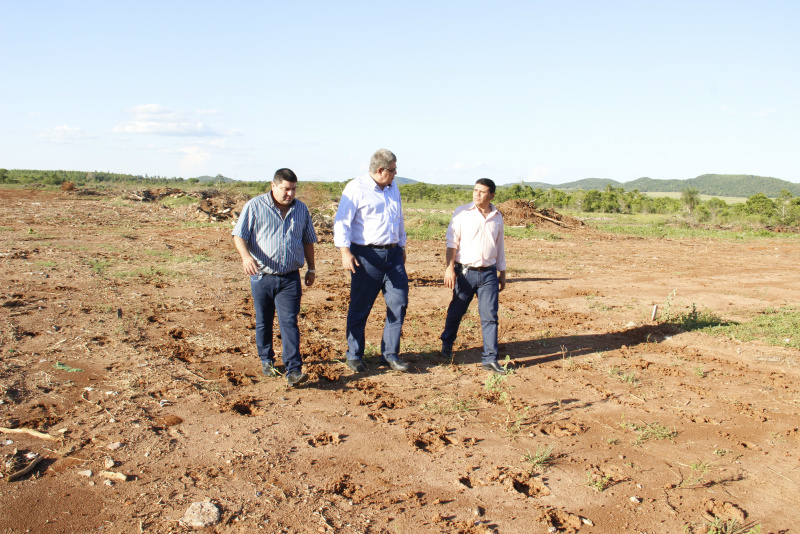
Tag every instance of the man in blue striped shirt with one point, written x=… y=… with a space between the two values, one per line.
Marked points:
x=370 y=233
x=274 y=235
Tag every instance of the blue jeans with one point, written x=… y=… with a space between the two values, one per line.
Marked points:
x=486 y=285
x=380 y=270
x=279 y=293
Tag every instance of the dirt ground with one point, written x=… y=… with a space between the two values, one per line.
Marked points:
x=127 y=335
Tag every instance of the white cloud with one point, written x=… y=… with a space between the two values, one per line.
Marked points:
x=208 y=112
x=194 y=160
x=764 y=112
x=65 y=134
x=158 y=120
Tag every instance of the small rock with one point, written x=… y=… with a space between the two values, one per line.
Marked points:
x=114 y=446
x=109 y=463
x=108 y=483
x=201 y=515
x=86 y=473
x=587 y=521
x=636 y=500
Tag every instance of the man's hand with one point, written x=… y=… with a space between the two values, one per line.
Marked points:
x=250 y=266
x=450 y=277
x=310 y=277
x=501 y=279
x=349 y=262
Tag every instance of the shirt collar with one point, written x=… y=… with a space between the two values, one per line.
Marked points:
x=492 y=208
x=271 y=201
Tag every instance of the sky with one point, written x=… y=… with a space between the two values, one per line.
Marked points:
x=546 y=91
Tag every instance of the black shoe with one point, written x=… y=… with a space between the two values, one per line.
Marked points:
x=356 y=366
x=494 y=367
x=269 y=369
x=397 y=365
x=295 y=378
x=447 y=352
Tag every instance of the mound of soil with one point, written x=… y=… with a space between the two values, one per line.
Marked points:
x=521 y=212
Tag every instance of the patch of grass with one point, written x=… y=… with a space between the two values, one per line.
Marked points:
x=530 y=232
x=198 y=224
x=729 y=526
x=699 y=373
x=616 y=372
x=149 y=274
x=648 y=431
x=449 y=405
x=6 y=229
x=775 y=326
x=540 y=458
x=184 y=200
x=99 y=266
x=599 y=483
x=427 y=226
x=46 y=264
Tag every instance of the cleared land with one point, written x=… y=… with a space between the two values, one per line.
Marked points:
x=127 y=334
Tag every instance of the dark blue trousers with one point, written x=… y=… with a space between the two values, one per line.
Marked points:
x=281 y=294
x=469 y=283
x=381 y=270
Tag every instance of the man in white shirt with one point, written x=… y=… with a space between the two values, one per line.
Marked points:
x=476 y=264
x=370 y=233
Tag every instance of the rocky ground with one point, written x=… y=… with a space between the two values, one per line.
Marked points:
x=128 y=370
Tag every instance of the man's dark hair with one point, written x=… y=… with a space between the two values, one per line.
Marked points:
x=284 y=175
x=488 y=183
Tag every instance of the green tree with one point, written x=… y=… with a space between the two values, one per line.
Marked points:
x=690 y=198
x=762 y=206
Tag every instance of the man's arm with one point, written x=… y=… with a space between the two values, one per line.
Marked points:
x=308 y=251
x=501 y=279
x=248 y=263
x=450 y=269
x=349 y=262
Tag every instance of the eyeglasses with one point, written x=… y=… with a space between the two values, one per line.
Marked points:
x=393 y=171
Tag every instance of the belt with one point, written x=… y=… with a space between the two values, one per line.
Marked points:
x=278 y=274
x=390 y=245
x=479 y=269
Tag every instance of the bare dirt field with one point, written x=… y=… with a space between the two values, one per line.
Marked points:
x=126 y=340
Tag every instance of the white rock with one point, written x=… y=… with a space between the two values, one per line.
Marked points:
x=636 y=500
x=86 y=473
x=109 y=463
x=114 y=446
x=201 y=515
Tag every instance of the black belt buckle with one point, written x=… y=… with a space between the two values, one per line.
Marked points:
x=383 y=247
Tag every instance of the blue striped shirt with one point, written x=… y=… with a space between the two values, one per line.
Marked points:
x=274 y=242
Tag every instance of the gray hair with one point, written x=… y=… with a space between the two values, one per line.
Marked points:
x=381 y=159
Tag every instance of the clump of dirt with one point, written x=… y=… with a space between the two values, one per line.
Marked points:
x=522 y=212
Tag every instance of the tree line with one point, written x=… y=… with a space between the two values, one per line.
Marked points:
x=784 y=209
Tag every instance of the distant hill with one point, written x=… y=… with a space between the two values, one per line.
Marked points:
x=214 y=179
x=720 y=185
x=402 y=181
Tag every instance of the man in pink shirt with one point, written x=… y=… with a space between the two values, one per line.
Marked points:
x=476 y=264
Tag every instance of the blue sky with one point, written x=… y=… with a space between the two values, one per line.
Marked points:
x=538 y=91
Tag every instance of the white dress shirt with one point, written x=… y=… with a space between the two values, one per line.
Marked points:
x=369 y=215
x=477 y=240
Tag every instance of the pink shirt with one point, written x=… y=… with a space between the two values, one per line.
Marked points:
x=478 y=241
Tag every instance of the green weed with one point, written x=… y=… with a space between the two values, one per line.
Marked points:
x=449 y=405
x=647 y=431
x=730 y=526
x=540 y=458
x=599 y=483
x=775 y=326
